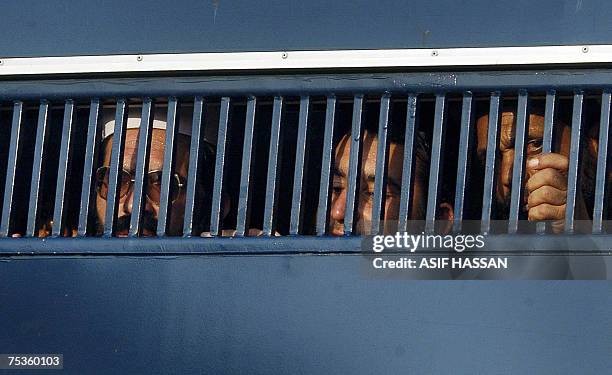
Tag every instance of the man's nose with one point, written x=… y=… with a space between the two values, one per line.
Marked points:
x=338 y=207
x=128 y=201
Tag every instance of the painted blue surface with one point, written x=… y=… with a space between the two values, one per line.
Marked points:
x=61 y=27
x=295 y=315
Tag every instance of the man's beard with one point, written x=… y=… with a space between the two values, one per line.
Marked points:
x=122 y=224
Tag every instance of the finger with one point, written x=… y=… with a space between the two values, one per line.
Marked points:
x=546 y=194
x=548 y=160
x=546 y=212
x=546 y=177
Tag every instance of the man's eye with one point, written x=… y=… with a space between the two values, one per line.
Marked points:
x=534 y=146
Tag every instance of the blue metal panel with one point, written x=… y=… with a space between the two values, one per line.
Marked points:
x=309 y=84
x=157 y=26
x=294 y=315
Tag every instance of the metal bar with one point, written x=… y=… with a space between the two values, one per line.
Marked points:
x=178 y=245
x=518 y=170
x=91 y=152
x=572 y=173
x=549 y=115
x=464 y=158
x=353 y=172
x=436 y=162
x=308 y=84
x=599 y=209
x=408 y=161
x=63 y=170
x=142 y=156
x=219 y=164
x=298 y=174
x=245 y=172
x=529 y=245
x=41 y=136
x=326 y=165
x=489 y=179
x=112 y=200
x=381 y=163
x=164 y=200
x=11 y=169
x=194 y=154
x=272 y=181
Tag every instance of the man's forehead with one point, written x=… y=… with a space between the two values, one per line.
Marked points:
x=157 y=149
x=369 y=149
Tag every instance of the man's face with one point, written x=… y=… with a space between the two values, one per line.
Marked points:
x=506 y=150
x=365 y=195
x=151 y=202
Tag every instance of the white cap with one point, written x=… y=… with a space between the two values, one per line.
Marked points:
x=184 y=120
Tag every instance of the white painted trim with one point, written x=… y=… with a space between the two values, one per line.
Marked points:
x=444 y=57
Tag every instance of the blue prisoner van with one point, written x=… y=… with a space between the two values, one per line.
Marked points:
x=223 y=187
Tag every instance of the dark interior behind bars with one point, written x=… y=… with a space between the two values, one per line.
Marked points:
x=278 y=204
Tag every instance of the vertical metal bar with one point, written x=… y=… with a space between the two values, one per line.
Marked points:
x=219 y=164
x=142 y=155
x=353 y=172
x=11 y=169
x=549 y=115
x=519 y=162
x=408 y=161
x=41 y=136
x=602 y=163
x=436 y=160
x=464 y=155
x=112 y=200
x=489 y=180
x=245 y=172
x=381 y=163
x=90 y=158
x=326 y=164
x=164 y=200
x=298 y=174
x=64 y=168
x=272 y=185
x=355 y=144
x=194 y=154
x=572 y=173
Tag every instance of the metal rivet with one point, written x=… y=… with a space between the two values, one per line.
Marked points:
x=1 y=62
x=434 y=53
x=139 y=58
x=585 y=49
x=284 y=55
